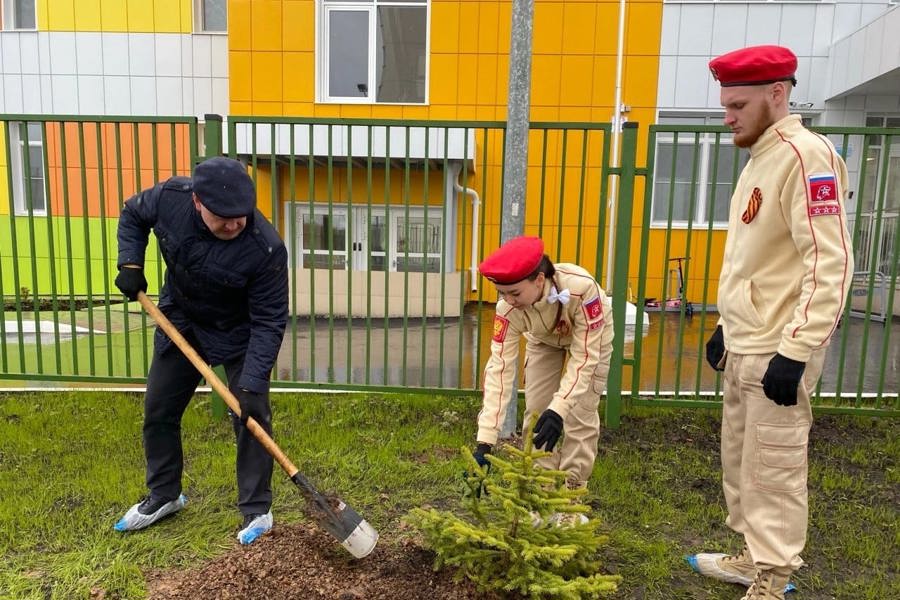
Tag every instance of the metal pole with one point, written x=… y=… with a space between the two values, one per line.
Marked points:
x=616 y=132
x=515 y=153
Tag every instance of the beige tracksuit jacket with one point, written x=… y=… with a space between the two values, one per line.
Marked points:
x=583 y=325
x=788 y=258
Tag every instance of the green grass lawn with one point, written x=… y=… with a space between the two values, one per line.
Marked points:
x=71 y=463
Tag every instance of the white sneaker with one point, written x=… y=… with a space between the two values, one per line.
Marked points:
x=254 y=526
x=569 y=519
x=147 y=512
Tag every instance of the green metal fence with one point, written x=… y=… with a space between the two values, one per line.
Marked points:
x=385 y=223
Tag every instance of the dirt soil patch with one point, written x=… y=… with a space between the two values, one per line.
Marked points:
x=300 y=561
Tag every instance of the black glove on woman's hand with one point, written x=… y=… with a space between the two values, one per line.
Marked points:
x=479 y=455
x=782 y=379
x=251 y=405
x=715 y=349
x=547 y=430
x=130 y=281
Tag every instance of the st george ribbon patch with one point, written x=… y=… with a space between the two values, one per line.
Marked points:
x=822 y=187
x=752 y=206
x=500 y=326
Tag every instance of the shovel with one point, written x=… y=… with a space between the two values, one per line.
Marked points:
x=334 y=516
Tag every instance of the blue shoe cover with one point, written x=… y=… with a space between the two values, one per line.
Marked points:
x=134 y=519
x=255 y=528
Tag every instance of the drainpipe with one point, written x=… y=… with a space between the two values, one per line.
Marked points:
x=616 y=132
x=456 y=170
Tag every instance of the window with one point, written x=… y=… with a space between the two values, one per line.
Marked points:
x=373 y=51
x=210 y=16
x=19 y=14
x=693 y=176
x=27 y=146
x=396 y=239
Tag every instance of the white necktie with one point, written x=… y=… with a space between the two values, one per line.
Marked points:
x=554 y=296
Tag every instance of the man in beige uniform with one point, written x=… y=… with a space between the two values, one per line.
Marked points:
x=566 y=320
x=784 y=282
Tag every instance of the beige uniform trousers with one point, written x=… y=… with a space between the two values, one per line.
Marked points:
x=577 y=450
x=764 y=460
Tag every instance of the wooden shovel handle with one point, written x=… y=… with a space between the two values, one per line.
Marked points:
x=255 y=428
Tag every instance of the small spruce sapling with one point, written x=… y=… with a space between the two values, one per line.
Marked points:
x=510 y=541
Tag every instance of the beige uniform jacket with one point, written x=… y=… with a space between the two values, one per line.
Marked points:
x=788 y=258
x=584 y=323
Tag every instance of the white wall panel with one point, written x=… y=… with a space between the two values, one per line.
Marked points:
x=168 y=54
x=873 y=43
x=12 y=93
x=90 y=95
x=11 y=54
x=671 y=23
x=219 y=55
x=818 y=80
x=797 y=27
x=763 y=24
x=665 y=97
x=729 y=28
x=695 y=32
x=882 y=104
x=46 y=105
x=89 y=53
x=117 y=94
x=62 y=53
x=44 y=53
x=187 y=56
x=31 y=93
x=691 y=71
x=202 y=60
x=64 y=91
x=141 y=48
x=30 y=53
x=143 y=95
x=168 y=96
x=187 y=96
x=203 y=95
x=840 y=64
x=846 y=19
x=824 y=27
x=115 y=54
x=219 y=95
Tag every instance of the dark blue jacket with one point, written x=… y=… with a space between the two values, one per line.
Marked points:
x=231 y=294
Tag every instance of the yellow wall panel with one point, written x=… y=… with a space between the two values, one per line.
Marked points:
x=548 y=28
x=167 y=17
x=487 y=80
x=298 y=86
x=265 y=25
x=575 y=80
x=445 y=27
x=299 y=109
x=578 y=28
x=61 y=15
x=298 y=31
x=239 y=37
x=239 y=82
x=607 y=27
x=604 y=92
x=640 y=80
x=488 y=27
x=87 y=17
x=113 y=15
x=467 y=77
x=644 y=25
x=468 y=26
x=267 y=109
x=43 y=22
x=545 y=79
x=265 y=76
x=444 y=79
x=140 y=16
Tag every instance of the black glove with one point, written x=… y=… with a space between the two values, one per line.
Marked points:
x=252 y=405
x=479 y=455
x=715 y=349
x=782 y=379
x=547 y=430
x=130 y=281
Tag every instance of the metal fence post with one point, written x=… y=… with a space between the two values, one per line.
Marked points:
x=625 y=203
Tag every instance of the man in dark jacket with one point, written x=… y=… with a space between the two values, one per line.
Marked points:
x=226 y=290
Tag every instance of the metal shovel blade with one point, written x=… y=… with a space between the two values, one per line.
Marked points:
x=338 y=519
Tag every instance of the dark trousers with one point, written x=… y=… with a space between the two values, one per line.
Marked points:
x=171 y=383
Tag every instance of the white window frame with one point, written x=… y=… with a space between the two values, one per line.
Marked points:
x=199 y=25
x=9 y=16
x=686 y=143
x=323 y=8
x=357 y=231
x=17 y=163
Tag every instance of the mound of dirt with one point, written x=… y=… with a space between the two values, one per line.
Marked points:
x=299 y=561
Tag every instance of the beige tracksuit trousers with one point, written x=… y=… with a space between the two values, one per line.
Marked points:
x=577 y=450
x=764 y=460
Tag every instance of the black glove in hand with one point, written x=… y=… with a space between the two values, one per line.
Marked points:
x=547 y=430
x=479 y=455
x=251 y=405
x=782 y=379
x=130 y=281
x=715 y=349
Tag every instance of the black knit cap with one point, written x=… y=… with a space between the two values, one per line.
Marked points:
x=224 y=187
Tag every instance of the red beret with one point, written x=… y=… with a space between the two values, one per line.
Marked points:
x=756 y=65
x=513 y=261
